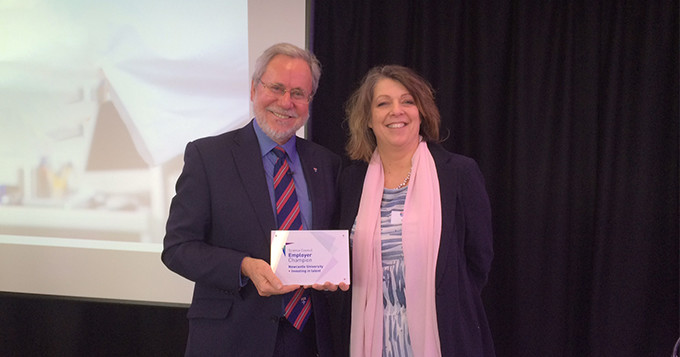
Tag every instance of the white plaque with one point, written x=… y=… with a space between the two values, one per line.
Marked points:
x=310 y=257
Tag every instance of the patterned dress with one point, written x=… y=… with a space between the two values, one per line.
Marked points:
x=396 y=341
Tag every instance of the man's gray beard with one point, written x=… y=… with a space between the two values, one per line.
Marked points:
x=277 y=136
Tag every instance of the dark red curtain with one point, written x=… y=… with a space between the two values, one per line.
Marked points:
x=571 y=110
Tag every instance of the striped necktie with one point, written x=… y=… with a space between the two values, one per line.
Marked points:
x=299 y=304
x=287 y=205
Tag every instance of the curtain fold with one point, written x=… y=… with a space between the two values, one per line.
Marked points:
x=571 y=110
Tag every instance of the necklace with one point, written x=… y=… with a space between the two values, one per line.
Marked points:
x=408 y=176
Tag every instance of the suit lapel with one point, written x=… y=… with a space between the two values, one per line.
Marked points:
x=448 y=199
x=308 y=160
x=249 y=166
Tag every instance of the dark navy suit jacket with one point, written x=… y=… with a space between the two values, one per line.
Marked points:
x=464 y=258
x=222 y=213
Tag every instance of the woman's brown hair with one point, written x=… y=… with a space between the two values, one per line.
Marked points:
x=362 y=140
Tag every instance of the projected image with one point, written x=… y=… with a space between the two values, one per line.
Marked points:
x=98 y=100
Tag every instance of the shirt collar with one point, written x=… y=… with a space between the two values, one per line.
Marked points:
x=267 y=144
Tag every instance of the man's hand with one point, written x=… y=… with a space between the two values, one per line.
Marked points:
x=328 y=286
x=263 y=277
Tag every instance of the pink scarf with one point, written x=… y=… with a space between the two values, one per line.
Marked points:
x=421 y=232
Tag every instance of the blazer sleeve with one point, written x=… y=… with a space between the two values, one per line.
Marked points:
x=186 y=249
x=478 y=227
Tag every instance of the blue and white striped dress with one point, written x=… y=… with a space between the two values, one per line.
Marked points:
x=396 y=340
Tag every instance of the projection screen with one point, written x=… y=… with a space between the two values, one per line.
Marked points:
x=98 y=100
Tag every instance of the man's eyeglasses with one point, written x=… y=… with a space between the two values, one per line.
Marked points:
x=297 y=95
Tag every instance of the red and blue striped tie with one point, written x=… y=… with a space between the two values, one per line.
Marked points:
x=299 y=304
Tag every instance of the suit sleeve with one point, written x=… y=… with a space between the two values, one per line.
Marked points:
x=186 y=247
x=478 y=227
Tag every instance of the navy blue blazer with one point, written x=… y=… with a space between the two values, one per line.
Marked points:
x=464 y=258
x=221 y=213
